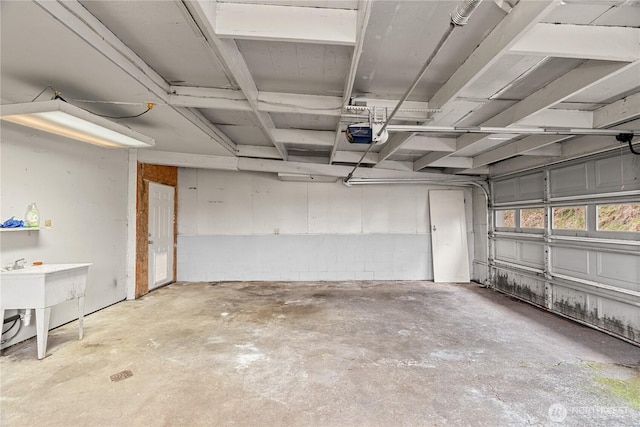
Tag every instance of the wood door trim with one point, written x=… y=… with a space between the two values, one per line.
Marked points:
x=166 y=175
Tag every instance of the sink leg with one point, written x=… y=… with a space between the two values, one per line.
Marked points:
x=1 y=317
x=42 y=330
x=80 y=317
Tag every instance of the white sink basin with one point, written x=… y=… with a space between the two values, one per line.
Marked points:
x=41 y=287
x=43 y=269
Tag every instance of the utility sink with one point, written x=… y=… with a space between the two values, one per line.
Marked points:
x=41 y=287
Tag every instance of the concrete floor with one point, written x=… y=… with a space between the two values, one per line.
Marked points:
x=324 y=354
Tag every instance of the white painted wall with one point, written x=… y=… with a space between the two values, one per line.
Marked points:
x=480 y=272
x=83 y=190
x=252 y=226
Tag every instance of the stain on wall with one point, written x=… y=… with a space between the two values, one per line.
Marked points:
x=511 y=286
x=570 y=307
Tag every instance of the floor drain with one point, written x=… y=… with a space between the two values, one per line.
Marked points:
x=121 y=376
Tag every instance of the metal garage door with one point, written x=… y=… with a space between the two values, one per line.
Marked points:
x=567 y=238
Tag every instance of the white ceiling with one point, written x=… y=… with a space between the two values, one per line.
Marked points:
x=229 y=83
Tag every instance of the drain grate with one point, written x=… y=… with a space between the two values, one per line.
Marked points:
x=121 y=376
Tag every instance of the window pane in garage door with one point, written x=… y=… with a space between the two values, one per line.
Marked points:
x=532 y=218
x=570 y=218
x=619 y=217
x=506 y=218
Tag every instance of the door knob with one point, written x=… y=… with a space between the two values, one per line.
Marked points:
x=434 y=228
x=151 y=242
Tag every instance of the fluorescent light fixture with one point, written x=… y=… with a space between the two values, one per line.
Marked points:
x=501 y=136
x=61 y=118
x=294 y=177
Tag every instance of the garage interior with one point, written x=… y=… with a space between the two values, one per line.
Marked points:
x=335 y=212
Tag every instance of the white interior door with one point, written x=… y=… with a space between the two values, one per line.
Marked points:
x=448 y=236
x=161 y=220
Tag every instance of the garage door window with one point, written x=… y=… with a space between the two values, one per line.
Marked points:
x=570 y=218
x=506 y=218
x=532 y=218
x=619 y=217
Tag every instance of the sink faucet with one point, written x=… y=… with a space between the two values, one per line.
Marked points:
x=19 y=264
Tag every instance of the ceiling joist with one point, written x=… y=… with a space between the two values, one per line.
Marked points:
x=77 y=19
x=355 y=156
x=430 y=143
x=204 y=97
x=276 y=166
x=581 y=41
x=522 y=146
x=620 y=111
x=577 y=80
x=507 y=55
x=280 y=102
x=576 y=148
x=515 y=25
x=230 y=56
x=286 y=23
x=453 y=162
x=363 y=15
x=559 y=118
x=318 y=138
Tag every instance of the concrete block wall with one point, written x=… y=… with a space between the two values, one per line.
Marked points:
x=251 y=226
x=310 y=257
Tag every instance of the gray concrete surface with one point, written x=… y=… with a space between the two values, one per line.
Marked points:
x=323 y=354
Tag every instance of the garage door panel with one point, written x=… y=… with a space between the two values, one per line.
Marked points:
x=505 y=191
x=569 y=180
x=521 y=285
x=611 y=173
x=619 y=270
x=592 y=274
x=532 y=254
x=619 y=317
x=611 y=269
x=506 y=250
x=531 y=186
x=570 y=261
x=603 y=311
x=575 y=303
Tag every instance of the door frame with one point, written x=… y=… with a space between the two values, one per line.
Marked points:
x=166 y=175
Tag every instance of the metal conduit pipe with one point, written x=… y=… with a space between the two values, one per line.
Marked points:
x=459 y=17
x=404 y=110
x=415 y=181
x=622 y=133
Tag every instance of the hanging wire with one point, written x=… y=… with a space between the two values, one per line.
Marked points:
x=149 y=107
x=41 y=92
x=621 y=169
x=94 y=101
x=57 y=95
